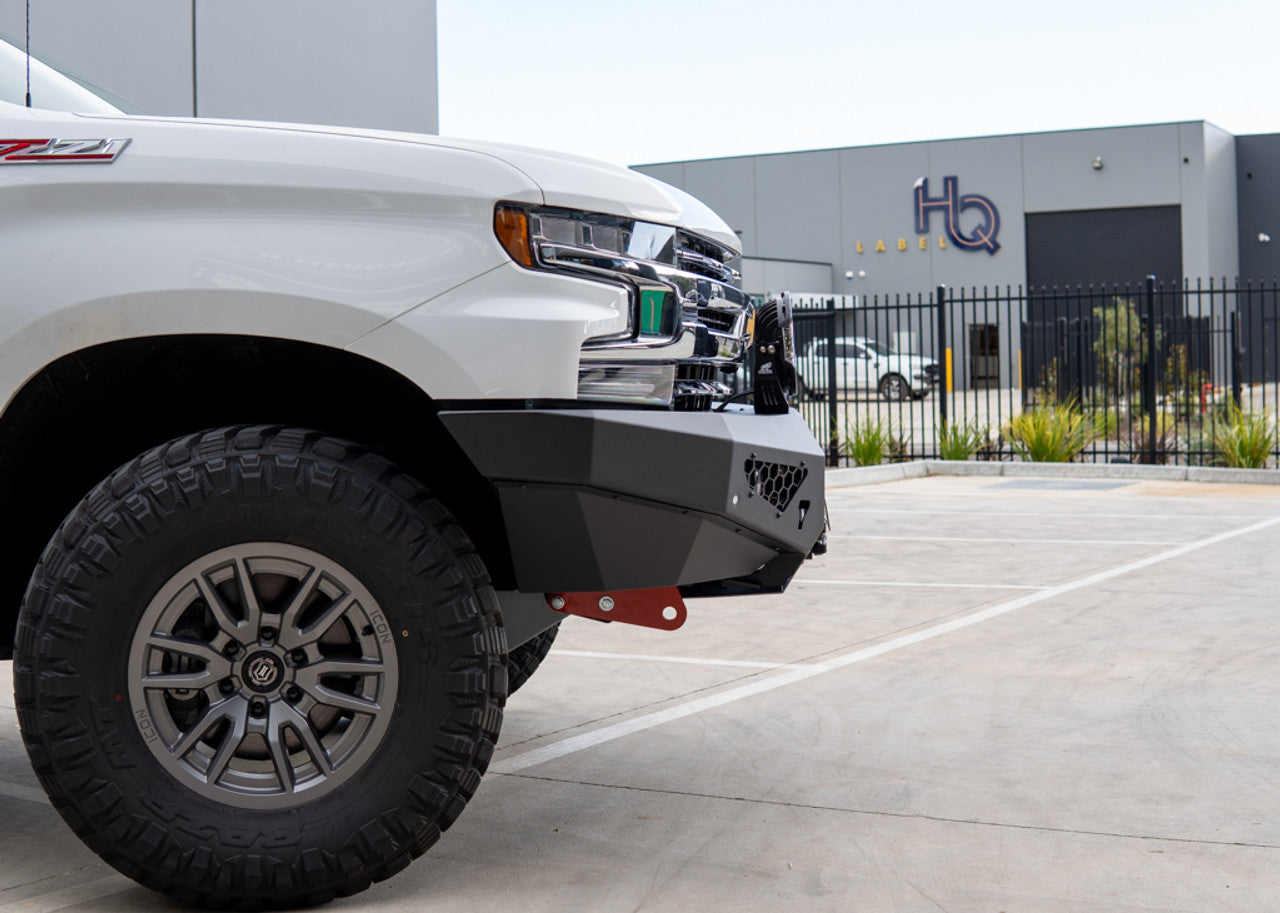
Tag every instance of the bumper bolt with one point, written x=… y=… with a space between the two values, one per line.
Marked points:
x=557 y=602
x=606 y=603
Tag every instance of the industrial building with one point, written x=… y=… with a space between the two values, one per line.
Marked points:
x=1180 y=200
x=306 y=61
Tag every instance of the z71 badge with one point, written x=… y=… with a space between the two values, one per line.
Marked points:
x=37 y=151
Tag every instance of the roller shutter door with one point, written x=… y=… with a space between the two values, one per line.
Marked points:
x=1096 y=246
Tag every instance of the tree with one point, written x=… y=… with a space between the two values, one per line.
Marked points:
x=1121 y=345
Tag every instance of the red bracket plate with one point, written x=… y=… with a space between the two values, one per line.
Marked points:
x=661 y=607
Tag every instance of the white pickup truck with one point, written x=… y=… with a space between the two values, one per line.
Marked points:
x=303 y=429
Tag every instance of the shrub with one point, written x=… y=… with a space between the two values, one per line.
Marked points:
x=1049 y=433
x=1106 y=421
x=866 y=443
x=1245 y=440
x=961 y=442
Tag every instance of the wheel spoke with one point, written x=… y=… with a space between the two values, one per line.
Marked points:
x=164 y=681
x=292 y=636
x=289 y=618
x=345 y=667
x=341 y=701
x=221 y=614
x=276 y=735
x=223 y=710
x=308 y=678
x=248 y=598
x=195 y=649
x=226 y=751
x=300 y=724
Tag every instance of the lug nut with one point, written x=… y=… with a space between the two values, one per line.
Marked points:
x=293 y=694
x=299 y=657
x=258 y=707
x=231 y=649
x=267 y=634
x=226 y=686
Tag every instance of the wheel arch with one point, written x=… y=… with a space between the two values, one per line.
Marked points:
x=92 y=410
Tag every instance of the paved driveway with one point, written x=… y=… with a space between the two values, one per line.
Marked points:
x=993 y=694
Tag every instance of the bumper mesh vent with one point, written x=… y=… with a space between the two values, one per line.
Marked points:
x=777 y=483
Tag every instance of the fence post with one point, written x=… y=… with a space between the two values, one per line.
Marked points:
x=833 y=400
x=1237 y=357
x=944 y=364
x=1061 y=382
x=1149 y=375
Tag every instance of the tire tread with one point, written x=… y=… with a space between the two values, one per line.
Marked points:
x=134 y=502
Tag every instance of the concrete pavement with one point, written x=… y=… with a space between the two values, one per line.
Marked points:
x=1019 y=694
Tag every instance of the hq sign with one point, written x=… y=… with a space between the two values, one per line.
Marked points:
x=951 y=204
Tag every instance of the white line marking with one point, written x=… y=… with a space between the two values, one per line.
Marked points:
x=1083 y=514
x=27 y=793
x=693 y=661
x=911 y=583
x=985 y=540
x=535 y=756
x=70 y=897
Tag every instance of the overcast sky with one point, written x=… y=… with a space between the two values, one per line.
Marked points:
x=662 y=80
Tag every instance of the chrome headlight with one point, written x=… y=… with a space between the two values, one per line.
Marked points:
x=687 y=321
x=602 y=247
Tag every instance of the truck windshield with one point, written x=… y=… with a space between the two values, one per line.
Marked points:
x=50 y=89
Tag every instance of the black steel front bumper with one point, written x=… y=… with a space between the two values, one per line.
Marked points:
x=595 y=500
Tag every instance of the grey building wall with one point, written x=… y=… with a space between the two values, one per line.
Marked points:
x=839 y=205
x=1222 y=240
x=370 y=64
x=767 y=276
x=139 y=50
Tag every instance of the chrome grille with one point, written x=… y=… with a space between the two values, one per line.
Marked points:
x=688 y=330
x=713 y=314
x=704 y=258
x=722 y=320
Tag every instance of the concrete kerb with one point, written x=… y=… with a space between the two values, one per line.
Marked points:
x=892 y=472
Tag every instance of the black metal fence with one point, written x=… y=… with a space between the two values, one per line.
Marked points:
x=1155 y=368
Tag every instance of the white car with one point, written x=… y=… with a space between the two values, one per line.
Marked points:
x=309 y=438
x=862 y=363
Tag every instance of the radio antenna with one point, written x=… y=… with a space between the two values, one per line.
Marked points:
x=28 y=49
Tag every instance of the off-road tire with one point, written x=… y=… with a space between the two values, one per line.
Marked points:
x=525 y=659
x=156 y=517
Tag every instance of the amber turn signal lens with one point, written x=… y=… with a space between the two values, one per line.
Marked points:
x=512 y=228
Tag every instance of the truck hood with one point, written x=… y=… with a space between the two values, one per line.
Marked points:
x=584 y=183
x=571 y=181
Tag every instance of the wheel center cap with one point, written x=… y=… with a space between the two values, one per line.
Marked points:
x=262 y=672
